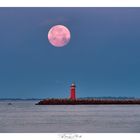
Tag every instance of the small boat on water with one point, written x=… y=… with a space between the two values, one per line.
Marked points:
x=9 y=103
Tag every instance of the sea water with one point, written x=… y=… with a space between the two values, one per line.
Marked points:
x=26 y=117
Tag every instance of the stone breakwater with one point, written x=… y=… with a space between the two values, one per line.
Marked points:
x=89 y=102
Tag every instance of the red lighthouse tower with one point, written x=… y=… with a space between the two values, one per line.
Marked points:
x=73 y=91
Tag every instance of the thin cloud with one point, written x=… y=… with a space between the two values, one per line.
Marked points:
x=52 y=21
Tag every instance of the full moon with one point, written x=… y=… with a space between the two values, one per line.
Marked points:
x=59 y=35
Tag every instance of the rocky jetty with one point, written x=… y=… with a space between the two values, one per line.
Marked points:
x=88 y=102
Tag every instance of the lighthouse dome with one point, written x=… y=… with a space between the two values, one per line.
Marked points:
x=72 y=84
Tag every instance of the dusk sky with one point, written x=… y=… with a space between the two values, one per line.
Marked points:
x=102 y=57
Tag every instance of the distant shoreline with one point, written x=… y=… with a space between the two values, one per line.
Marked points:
x=18 y=99
x=85 y=98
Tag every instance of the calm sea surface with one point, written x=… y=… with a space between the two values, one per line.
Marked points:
x=25 y=116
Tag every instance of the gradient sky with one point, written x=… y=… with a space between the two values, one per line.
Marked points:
x=103 y=56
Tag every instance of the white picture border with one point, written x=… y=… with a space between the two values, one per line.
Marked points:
x=69 y=3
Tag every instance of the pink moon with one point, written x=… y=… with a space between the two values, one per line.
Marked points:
x=59 y=36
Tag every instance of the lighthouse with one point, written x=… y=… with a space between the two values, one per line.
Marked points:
x=72 y=91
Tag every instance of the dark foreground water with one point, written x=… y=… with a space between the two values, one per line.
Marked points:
x=25 y=116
